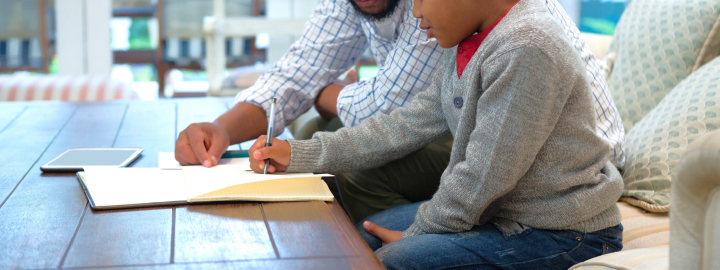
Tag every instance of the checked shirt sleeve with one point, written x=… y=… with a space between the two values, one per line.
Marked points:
x=407 y=70
x=608 y=124
x=332 y=42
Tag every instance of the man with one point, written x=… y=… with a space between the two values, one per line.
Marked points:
x=335 y=36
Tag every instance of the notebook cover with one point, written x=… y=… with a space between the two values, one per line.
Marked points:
x=81 y=176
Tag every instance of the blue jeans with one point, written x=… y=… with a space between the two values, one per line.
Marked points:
x=486 y=247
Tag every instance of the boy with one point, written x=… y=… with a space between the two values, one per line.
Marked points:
x=529 y=183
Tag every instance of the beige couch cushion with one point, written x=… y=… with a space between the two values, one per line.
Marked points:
x=643 y=229
x=598 y=45
x=658 y=44
x=645 y=258
x=646 y=237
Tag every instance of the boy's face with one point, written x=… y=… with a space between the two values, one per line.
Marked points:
x=449 y=21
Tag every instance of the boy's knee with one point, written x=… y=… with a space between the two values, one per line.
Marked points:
x=397 y=255
x=387 y=256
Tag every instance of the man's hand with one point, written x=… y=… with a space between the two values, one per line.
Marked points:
x=387 y=236
x=278 y=153
x=326 y=101
x=204 y=143
x=201 y=143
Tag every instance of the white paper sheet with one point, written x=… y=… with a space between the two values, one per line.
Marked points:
x=130 y=186
x=166 y=161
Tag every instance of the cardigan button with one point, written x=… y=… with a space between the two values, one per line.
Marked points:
x=460 y=49
x=458 y=102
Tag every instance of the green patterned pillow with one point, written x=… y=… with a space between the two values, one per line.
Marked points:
x=656 y=143
x=658 y=43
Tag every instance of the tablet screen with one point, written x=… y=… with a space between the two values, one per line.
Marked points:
x=75 y=159
x=93 y=157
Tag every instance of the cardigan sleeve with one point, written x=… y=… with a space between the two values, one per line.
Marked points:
x=376 y=141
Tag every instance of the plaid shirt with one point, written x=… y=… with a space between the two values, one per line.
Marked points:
x=336 y=36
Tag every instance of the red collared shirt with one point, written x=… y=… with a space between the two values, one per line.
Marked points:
x=467 y=48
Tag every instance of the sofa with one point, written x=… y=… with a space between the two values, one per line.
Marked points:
x=664 y=74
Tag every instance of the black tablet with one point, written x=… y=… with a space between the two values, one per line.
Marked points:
x=75 y=159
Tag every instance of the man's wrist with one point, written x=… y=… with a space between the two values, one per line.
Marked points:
x=223 y=128
x=244 y=121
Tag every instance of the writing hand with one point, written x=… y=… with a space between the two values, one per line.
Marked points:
x=278 y=153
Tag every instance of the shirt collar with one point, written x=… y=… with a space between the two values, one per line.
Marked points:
x=467 y=48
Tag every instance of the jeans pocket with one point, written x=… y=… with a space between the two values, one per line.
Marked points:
x=611 y=239
x=613 y=245
x=609 y=249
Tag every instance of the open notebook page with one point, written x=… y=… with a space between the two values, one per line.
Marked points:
x=134 y=186
x=166 y=161
x=226 y=183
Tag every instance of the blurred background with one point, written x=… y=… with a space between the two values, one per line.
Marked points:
x=152 y=49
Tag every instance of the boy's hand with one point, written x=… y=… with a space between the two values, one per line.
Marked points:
x=387 y=236
x=278 y=153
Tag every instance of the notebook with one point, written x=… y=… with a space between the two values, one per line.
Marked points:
x=166 y=160
x=113 y=188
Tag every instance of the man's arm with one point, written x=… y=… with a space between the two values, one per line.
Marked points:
x=332 y=42
x=407 y=71
x=326 y=101
x=254 y=122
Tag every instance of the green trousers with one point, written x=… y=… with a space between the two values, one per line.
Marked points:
x=410 y=179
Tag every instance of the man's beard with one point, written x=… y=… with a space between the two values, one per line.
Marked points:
x=391 y=6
